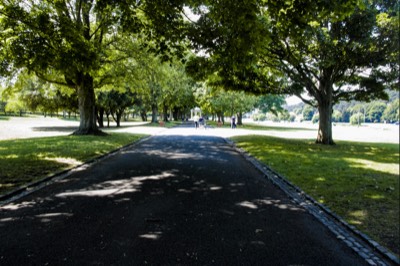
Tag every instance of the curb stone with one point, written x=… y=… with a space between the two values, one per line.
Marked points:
x=39 y=184
x=372 y=252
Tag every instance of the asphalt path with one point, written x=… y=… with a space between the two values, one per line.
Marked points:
x=172 y=199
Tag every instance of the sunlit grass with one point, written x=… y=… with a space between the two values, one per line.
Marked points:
x=260 y=127
x=358 y=181
x=163 y=124
x=274 y=128
x=26 y=160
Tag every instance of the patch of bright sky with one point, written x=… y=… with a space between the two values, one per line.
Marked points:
x=292 y=100
x=190 y=15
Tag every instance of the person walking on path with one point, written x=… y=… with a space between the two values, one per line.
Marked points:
x=196 y=121
x=233 y=122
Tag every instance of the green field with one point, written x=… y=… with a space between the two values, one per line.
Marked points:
x=27 y=160
x=358 y=181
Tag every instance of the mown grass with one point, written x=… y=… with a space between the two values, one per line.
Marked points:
x=260 y=127
x=358 y=181
x=168 y=124
x=27 y=160
x=275 y=128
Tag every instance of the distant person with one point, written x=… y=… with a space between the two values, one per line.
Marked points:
x=196 y=121
x=233 y=122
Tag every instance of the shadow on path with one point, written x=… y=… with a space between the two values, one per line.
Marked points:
x=186 y=200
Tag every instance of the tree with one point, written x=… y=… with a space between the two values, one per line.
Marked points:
x=331 y=50
x=337 y=116
x=113 y=103
x=331 y=54
x=308 y=113
x=215 y=100
x=67 y=42
x=38 y=95
x=357 y=119
x=176 y=91
x=392 y=111
x=271 y=103
x=375 y=111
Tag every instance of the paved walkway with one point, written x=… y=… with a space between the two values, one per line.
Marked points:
x=173 y=199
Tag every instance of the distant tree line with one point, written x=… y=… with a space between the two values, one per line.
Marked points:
x=355 y=112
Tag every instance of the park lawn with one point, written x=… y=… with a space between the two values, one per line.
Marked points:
x=358 y=181
x=27 y=160
x=168 y=124
x=254 y=126
x=274 y=128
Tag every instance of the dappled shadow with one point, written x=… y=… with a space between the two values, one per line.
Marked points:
x=170 y=200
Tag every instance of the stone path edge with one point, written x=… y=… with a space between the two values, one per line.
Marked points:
x=47 y=180
x=368 y=249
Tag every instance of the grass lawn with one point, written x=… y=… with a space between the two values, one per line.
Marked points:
x=358 y=181
x=259 y=127
x=168 y=124
x=27 y=160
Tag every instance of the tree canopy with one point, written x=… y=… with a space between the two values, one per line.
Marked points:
x=68 y=42
x=330 y=51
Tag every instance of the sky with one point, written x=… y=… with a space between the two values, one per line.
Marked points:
x=292 y=100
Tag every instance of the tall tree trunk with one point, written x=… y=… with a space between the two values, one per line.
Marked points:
x=100 y=117
x=118 y=116
x=325 y=105
x=87 y=111
x=239 y=118
x=165 y=113
x=154 y=113
x=143 y=115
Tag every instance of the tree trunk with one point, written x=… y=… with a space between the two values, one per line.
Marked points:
x=143 y=115
x=87 y=100
x=108 y=118
x=100 y=117
x=325 y=123
x=154 y=113
x=165 y=113
x=239 y=119
x=118 y=116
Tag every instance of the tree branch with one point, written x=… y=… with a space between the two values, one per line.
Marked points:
x=57 y=82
